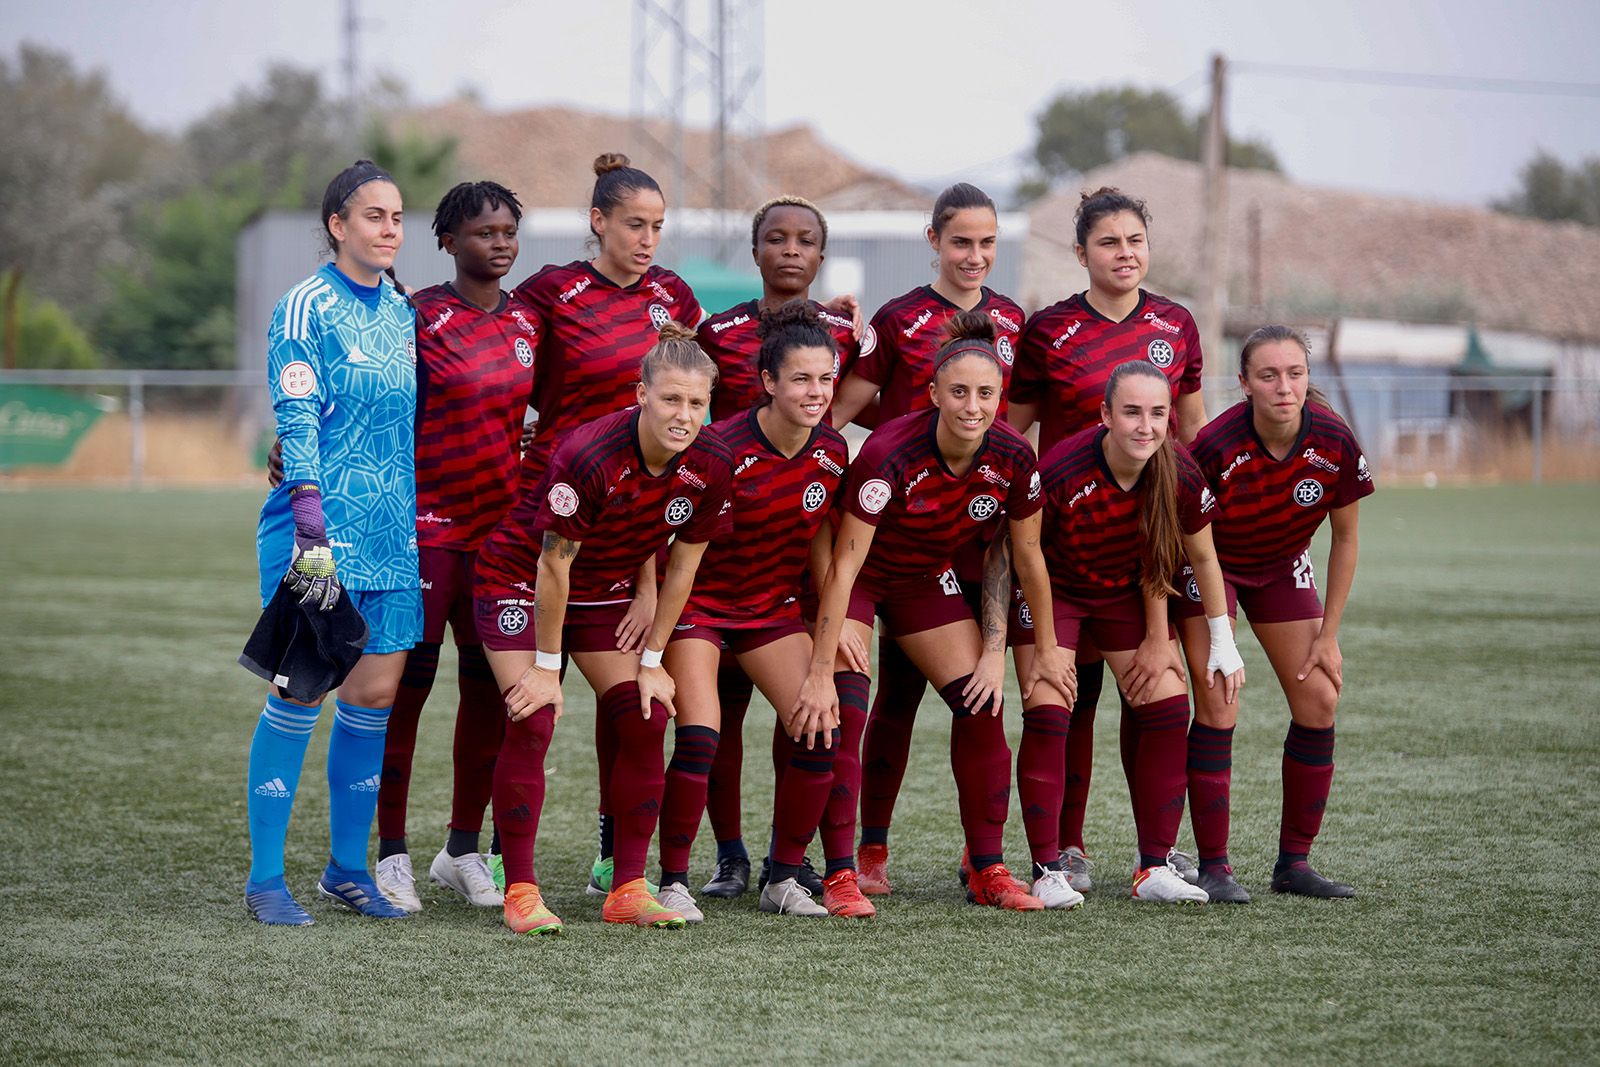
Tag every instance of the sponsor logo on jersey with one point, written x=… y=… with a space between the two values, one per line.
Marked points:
x=1003 y=349
x=297 y=379
x=1362 y=473
x=1207 y=501
x=523 y=324
x=745 y=464
x=437 y=520
x=679 y=508
x=578 y=287
x=1064 y=338
x=661 y=291
x=1083 y=494
x=1311 y=457
x=914 y=482
x=814 y=497
x=1234 y=464
x=1034 y=486
x=834 y=320
x=355 y=355
x=340 y=544
x=994 y=477
x=826 y=462
x=737 y=320
x=659 y=316
x=1160 y=323
x=1307 y=492
x=983 y=507
x=691 y=477
x=1161 y=353
x=918 y=323
x=875 y=495
x=513 y=620
x=445 y=316
x=524 y=352
x=869 y=341
x=1002 y=319
x=563 y=499
x=426 y=585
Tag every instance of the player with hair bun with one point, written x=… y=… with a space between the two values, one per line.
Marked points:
x=1280 y=461
x=617 y=491
x=475 y=355
x=341 y=360
x=597 y=319
x=1067 y=354
x=924 y=487
x=898 y=355
x=788 y=240
x=1121 y=506
x=789 y=465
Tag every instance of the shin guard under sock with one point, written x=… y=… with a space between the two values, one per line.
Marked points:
x=683 y=799
x=518 y=790
x=887 y=744
x=400 y=739
x=1160 y=777
x=355 y=765
x=1041 y=766
x=802 y=798
x=637 y=778
x=1210 y=783
x=277 y=752
x=1307 y=777
x=839 y=817
x=1080 y=754
x=981 y=761
x=722 y=790
x=480 y=730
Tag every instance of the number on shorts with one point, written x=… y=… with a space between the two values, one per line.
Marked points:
x=1304 y=576
x=950 y=583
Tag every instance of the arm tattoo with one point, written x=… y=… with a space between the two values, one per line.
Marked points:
x=563 y=548
x=996 y=593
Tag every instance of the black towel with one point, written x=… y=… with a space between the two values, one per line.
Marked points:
x=303 y=651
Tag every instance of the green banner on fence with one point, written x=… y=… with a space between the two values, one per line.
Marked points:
x=40 y=427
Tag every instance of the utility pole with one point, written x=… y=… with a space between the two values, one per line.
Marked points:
x=352 y=75
x=1214 y=228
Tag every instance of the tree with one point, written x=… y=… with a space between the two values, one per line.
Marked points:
x=1082 y=130
x=287 y=128
x=1552 y=191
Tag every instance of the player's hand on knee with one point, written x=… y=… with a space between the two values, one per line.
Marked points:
x=1223 y=659
x=1325 y=654
x=853 y=650
x=655 y=684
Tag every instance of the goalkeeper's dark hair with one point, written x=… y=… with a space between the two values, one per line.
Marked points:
x=467 y=201
x=785 y=328
x=336 y=201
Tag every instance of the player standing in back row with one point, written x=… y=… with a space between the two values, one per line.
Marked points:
x=1068 y=352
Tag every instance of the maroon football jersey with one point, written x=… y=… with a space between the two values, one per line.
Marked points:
x=597 y=492
x=593 y=334
x=1271 y=507
x=1069 y=350
x=900 y=346
x=474 y=371
x=924 y=514
x=1091 y=524
x=750 y=576
x=730 y=339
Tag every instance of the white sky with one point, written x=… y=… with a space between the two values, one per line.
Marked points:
x=932 y=90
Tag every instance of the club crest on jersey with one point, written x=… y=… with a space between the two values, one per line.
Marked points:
x=513 y=620
x=983 y=507
x=814 y=497
x=1192 y=590
x=1161 y=353
x=679 y=508
x=875 y=496
x=1003 y=349
x=563 y=499
x=869 y=341
x=411 y=350
x=298 y=379
x=659 y=316
x=1307 y=492
x=524 y=352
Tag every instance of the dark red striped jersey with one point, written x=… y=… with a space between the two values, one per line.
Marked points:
x=750 y=576
x=1069 y=350
x=1091 y=536
x=730 y=339
x=593 y=334
x=897 y=353
x=597 y=492
x=1271 y=507
x=474 y=372
x=924 y=514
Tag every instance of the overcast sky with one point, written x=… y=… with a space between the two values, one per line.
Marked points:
x=932 y=90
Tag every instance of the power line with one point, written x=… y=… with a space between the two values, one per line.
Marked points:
x=1412 y=80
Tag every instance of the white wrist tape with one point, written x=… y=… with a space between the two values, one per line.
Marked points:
x=650 y=658
x=547 y=661
x=1224 y=655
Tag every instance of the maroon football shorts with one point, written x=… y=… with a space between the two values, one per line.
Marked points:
x=447 y=594
x=1090 y=625
x=506 y=625
x=737 y=639
x=910 y=607
x=1284 y=592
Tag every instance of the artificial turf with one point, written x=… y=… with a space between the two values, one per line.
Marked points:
x=1464 y=811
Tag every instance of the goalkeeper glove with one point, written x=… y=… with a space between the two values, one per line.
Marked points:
x=312 y=575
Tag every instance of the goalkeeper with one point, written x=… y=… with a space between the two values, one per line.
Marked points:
x=342 y=370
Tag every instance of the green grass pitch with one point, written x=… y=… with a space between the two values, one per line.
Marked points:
x=1465 y=811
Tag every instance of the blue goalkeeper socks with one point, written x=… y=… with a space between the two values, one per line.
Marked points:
x=355 y=768
x=277 y=752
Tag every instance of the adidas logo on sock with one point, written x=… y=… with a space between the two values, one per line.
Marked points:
x=274 y=788
x=366 y=785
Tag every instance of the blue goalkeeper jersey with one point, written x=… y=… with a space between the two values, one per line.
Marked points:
x=344 y=387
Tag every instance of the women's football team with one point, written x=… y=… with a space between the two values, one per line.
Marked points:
x=686 y=525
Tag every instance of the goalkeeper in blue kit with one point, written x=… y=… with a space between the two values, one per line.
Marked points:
x=342 y=369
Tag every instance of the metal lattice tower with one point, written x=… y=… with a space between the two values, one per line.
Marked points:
x=698 y=65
